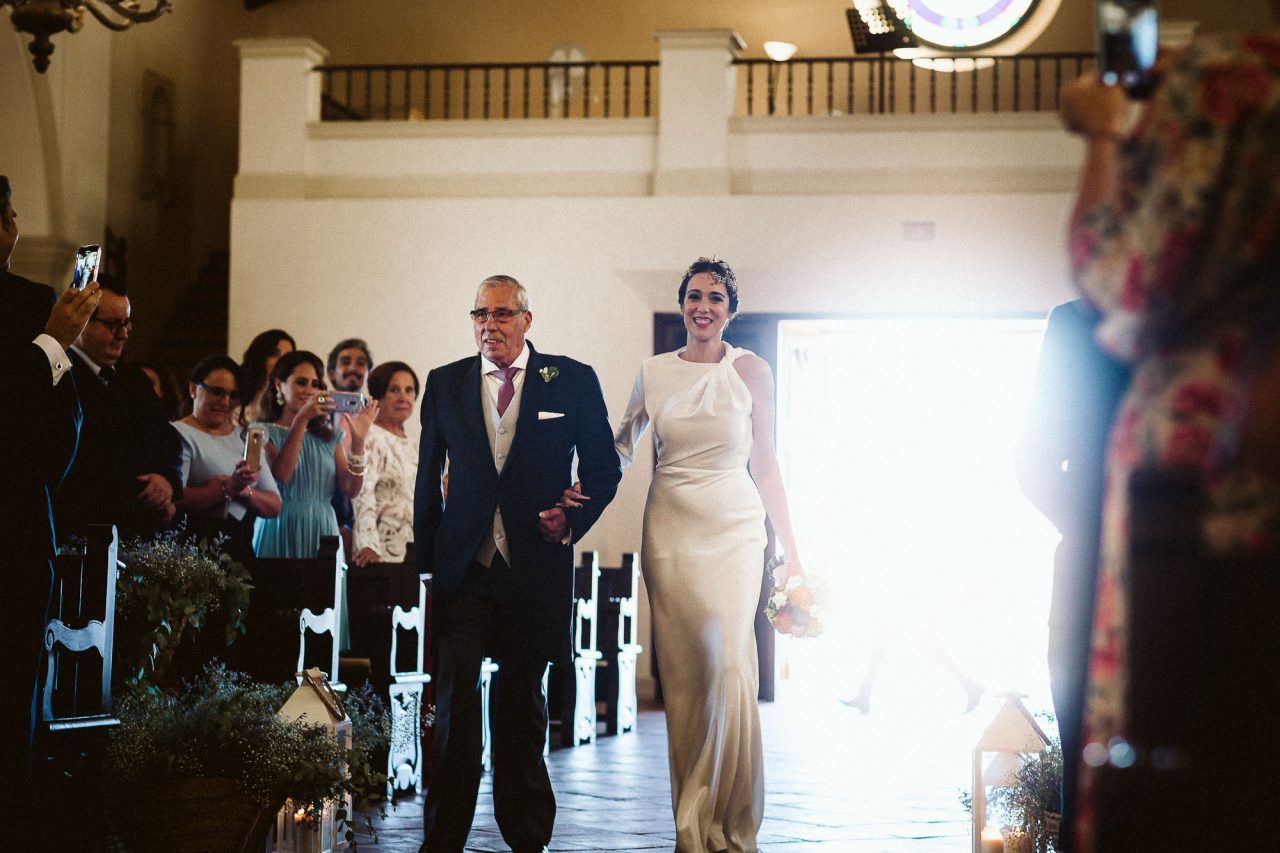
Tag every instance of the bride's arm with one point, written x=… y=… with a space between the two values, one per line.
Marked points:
x=763 y=464
x=633 y=425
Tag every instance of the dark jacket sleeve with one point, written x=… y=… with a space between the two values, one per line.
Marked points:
x=428 y=500
x=598 y=467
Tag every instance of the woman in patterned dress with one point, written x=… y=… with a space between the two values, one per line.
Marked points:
x=1174 y=238
x=384 y=508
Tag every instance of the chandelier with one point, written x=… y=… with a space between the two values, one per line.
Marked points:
x=43 y=18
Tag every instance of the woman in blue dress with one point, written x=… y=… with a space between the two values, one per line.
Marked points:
x=306 y=456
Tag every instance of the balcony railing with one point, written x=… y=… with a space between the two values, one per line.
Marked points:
x=873 y=85
x=621 y=89
x=625 y=89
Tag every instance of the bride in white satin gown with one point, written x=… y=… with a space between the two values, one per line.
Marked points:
x=711 y=408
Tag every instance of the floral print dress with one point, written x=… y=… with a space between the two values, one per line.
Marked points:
x=1182 y=266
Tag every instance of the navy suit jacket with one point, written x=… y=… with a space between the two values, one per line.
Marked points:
x=536 y=473
x=1062 y=455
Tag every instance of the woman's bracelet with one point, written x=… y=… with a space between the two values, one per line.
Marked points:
x=225 y=488
x=356 y=459
x=355 y=472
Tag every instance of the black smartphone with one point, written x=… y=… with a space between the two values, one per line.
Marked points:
x=88 y=260
x=1128 y=41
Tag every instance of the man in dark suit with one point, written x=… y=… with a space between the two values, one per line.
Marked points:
x=1061 y=463
x=41 y=436
x=508 y=421
x=128 y=471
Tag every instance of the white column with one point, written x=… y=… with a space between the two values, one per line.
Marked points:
x=696 y=98
x=279 y=98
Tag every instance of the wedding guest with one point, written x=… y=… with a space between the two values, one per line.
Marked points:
x=383 y=530
x=35 y=338
x=1174 y=238
x=348 y=365
x=223 y=493
x=171 y=400
x=1060 y=464
x=255 y=369
x=128 y=468
x=306 y=457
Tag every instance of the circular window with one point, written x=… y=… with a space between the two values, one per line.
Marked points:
x=967 y=24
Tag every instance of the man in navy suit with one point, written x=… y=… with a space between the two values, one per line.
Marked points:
x=1061 y=464
x=508 y=421
x=41 y=433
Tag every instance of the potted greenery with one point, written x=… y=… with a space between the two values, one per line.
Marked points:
x=167 y=588
x=206 y=767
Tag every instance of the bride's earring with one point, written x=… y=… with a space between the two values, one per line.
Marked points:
x=279 y=398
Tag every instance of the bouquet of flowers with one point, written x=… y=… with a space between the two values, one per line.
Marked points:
x=795 y=605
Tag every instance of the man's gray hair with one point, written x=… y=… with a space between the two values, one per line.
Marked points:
x=493 y=282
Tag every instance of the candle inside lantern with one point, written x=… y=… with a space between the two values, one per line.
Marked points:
x=300 y=815
x=992 y=840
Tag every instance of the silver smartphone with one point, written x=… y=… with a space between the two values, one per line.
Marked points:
x=347 y=402
x=88 y=260
x=253 y=448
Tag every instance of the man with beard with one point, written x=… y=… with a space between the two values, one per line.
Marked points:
x=348 y=367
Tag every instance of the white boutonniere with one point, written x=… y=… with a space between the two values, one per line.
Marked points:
x=549 y=373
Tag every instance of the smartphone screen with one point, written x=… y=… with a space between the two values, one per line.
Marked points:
x=88 y=259
x=1128 y=41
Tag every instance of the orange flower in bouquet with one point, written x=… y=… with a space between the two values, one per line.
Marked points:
x=795 y=605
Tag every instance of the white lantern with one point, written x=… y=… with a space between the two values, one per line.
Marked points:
x=314 y=703
x=1013 y=734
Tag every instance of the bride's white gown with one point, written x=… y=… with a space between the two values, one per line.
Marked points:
x=702 y=559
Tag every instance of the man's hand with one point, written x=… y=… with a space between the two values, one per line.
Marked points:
x=365 y=556
x=552 y=524
x=71 y=312
x=156 y=492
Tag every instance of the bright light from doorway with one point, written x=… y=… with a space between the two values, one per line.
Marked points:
x=896 y=437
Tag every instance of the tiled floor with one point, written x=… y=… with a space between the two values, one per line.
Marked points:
x=837 y=782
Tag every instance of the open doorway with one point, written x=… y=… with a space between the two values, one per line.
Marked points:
x=897 y=437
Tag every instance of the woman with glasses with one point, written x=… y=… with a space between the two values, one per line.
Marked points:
x=306 y=455
x=221 y=493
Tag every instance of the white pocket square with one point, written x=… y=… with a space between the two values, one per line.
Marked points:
x=546 y=416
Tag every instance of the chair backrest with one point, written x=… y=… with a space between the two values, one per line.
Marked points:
x=586 y=587
x=293 y=608
x=412 y=621
x=80 y=632
x=619 y=588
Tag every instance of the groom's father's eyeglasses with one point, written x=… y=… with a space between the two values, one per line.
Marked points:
x=502 y=315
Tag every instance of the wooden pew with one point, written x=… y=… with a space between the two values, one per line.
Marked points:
x=292 y=622
x=572 y=689
x=75 y=698
x=619 y=617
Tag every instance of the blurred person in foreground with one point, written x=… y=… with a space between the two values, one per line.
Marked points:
x=1174 y=238
x=37 y=335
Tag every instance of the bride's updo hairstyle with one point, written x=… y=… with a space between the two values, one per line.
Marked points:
x=717 y=269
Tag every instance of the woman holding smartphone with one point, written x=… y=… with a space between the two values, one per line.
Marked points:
x=306 y=455
x=223 y=492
